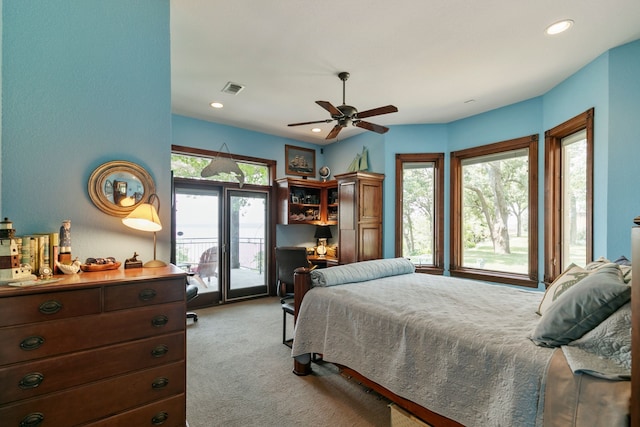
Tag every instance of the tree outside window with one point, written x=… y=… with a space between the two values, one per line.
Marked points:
x=494 y=212
x=419 y=210
x=568 y=225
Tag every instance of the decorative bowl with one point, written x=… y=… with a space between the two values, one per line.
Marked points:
x=100 y=267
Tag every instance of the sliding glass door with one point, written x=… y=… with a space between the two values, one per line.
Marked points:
x=197 y=239
x=246 y=257
x=221 y=239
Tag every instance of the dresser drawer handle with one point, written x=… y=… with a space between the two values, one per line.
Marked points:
x=160 y=351
x=147 y=294
x=159 y=418
x=160 y=382
x=160 y=320
x=50 y=307
x=31 y=380
x=34 y=419
x=31 y=343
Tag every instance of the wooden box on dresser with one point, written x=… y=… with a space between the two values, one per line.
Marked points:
x=359 y=216
x=95 y=349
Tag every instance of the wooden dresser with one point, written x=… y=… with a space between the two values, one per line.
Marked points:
x=95 y=349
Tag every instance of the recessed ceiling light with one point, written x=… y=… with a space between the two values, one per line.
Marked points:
x=559 y=27
x=216 y=104
x=316 y=130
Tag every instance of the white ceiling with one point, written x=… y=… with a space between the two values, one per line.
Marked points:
x=426 y=57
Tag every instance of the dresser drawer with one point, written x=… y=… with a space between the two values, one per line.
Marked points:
x=53 y=305
x=141 y=294
x=99 y=399
x=167 y=413
x=26 y=380
x=36 y=340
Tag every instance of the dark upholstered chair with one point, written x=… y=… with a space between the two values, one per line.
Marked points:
x=288 y=258
x=192 y=293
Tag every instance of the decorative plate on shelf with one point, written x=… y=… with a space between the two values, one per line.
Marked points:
x=324 y=172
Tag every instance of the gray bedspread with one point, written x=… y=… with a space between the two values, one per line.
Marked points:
x=457 y=347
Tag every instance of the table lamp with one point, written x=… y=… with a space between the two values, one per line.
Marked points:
x=323 y=232
x=145 y=218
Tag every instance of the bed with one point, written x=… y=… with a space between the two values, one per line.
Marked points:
x=460 y=352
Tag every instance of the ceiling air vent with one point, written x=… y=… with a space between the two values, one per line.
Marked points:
x=232 y=88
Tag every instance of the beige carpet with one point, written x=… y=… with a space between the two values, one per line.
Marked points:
x=239 y=374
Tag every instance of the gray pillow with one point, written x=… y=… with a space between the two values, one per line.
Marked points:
x=361 y=271
x=582 y=307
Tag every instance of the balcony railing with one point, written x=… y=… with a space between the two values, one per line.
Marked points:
x=250 y=254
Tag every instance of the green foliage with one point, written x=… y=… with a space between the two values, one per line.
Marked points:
x=418 y=211
x=186 y=166
x=495 y=191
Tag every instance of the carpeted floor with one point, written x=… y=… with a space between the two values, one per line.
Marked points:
x=239 y=374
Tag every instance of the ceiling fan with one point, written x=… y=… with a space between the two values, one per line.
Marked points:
x=345 y=114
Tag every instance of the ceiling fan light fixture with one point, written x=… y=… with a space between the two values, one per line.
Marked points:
x=316 y=130
x=345 y=114
x=559 y=27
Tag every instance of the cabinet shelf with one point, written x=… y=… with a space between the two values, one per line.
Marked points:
x=303 y=201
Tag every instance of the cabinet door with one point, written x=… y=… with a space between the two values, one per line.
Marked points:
x=347 y=240
x=370 y=202
x=369 y=241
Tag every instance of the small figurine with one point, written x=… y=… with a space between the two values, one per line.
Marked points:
x=133 y=261
x=69 y=269
x=65 y=237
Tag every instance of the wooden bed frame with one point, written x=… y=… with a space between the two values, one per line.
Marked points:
x=302 y=285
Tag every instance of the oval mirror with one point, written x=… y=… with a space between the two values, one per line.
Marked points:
x=117 y=187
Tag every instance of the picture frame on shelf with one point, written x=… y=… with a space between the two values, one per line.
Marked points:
x=300 y=161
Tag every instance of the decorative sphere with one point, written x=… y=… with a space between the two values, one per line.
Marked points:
x=324 y=172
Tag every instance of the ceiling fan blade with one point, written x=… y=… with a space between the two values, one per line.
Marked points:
x=370 y=126
x=310 y=123
x=330 y=108
x=334 y=132
x=377 y=111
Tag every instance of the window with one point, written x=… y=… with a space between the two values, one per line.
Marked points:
x=188 y=163
x=420 y=210
x=494 y=212
x=568 y=195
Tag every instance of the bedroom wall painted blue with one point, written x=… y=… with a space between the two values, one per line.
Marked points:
x=623 y=199
x=196 y=133
x=84 y=82
x=88 y=82
x=587 y=88
x=205 y=135
x=411 y=139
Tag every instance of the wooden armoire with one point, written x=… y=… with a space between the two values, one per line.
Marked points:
x=359 y=216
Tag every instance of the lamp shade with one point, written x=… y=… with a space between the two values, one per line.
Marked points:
x=144 y=217
x=323 y=232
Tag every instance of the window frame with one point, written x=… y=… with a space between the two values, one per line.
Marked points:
x=455 y=268
x=438 y=227
x=198 y=152
x=553 y=192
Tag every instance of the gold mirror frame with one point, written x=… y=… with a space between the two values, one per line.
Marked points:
x=133 y=181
